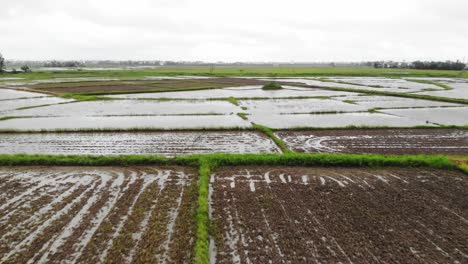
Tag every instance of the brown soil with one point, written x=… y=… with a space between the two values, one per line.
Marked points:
x=83 y=225
x=310 y=215
x=379 y=141
x=161 y=85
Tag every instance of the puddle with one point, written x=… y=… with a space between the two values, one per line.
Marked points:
x=299 y=106
x=238 y=92
x=445 y=116
x=161 y=143
x=333 y=120
x=8 y=94
x=132 y=107
x=124 y=122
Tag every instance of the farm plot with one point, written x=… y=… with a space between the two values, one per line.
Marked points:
x=7 y=106
x=392 y=102
x=9 y=94
x=162 y=143
x=387 y=84
x=318 y=83
x=307 y=215
x=91 y=215
x=444 y=116
x=459 y=88
x=379 y=141
x=293 y=106
x=284 y=121
x=132 y=108
x=144 y=85
x=254 y=91
x=124 y=122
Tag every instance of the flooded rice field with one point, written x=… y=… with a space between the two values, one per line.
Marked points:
x=9 y=94
x=321 y=215
x=132 y=107
x=96 y=215
x=7 y=106
x=459 y=89
x=284 y=121
x=392 y=102
x=254 y=91
x=288 y=106
x=161 y=143
x=124 y=122
x=378 y=141
x=387 y=84
x=443 y=116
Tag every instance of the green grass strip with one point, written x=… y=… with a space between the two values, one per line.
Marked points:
x=332 y=160
x=269 y=132
x=215 y=160
x=202 y=243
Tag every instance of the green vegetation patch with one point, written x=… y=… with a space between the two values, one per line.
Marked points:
x=272 y=86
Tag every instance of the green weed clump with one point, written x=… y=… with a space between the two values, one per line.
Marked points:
x=272 y=86
x=233 y=101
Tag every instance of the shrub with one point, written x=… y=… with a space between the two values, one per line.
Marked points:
x=272 y=86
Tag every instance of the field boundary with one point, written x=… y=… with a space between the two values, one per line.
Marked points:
x=269 y=132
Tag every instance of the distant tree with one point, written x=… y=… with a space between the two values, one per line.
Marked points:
x=2 y=63
x=25 y=68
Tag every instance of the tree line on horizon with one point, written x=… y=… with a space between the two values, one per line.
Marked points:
x=423 y=65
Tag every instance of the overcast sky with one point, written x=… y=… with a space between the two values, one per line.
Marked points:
x=240 y=30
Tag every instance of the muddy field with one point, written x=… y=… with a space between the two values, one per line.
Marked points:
x=91 y=215
x=310 y=215
x=379 y=141
x=142 y=85
x=161 y=143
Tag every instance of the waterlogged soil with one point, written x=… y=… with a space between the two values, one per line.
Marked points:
x=388 y=84
x=142 y=85
x=393 y=102
x=338 y=215
x=161 y=143
x=7 y=106
x=291 y=106
x=132 y=107
x=97 y=215
x=254 y=91
x=124 y=122
x=9 y=94
x=284 y=121
x=444 y=116
x=378 y=141
x=459 y=89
